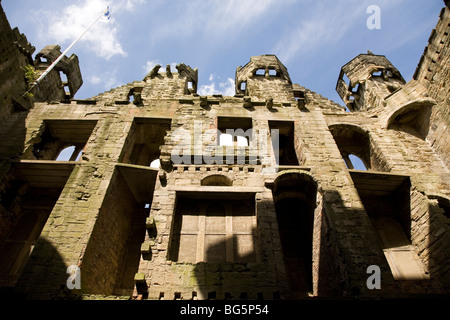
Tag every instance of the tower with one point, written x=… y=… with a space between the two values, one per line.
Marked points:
x=369 y=79
x=264 y=77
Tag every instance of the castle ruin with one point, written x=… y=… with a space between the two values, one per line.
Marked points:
x=168 y=194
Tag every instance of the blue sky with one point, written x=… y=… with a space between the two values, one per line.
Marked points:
x=312 y=38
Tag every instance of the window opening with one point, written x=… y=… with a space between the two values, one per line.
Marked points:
x=260 y=72
x=234 y=131
x=354 y=162
x=356 y=147
x=377 y=73
x=295 y=195
x=62 y=140
x=282 y=134
x=214 y=231
x=243 y=86
x=388 y=206
x=145 y=138
x=346 y=79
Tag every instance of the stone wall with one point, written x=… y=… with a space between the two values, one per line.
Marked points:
x=120 y=220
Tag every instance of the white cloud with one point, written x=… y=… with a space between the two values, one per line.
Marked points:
x=150 y=64
x=105 y=80
x=228 y=88
x=327 y=24
x=225 y=88
x=95 y=80
x=130 y=4
x=69 y=23
x=216 y=20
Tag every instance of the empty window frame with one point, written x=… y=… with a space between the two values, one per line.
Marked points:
x=72 y=153
x=27 y=197
x=234 y=131
x=354 y=162
x=295 y=196
x=282 y=134
x=243 y=87
x=58 y=135
x=214 y=231
x=145 y=138
x=260 y=72
x=354 y=146
x=386 y=199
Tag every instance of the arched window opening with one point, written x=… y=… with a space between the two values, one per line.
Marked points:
x=146 y=136
x=295 y=195
x=216 y=180
x=61 y=140
x=71 y=153
x=413 y=119
x=357 y=148
x=354 y=162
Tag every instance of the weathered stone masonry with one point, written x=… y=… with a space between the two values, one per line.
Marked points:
x=142 y=211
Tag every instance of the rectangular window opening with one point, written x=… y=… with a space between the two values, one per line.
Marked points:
x=388 y=206
x=243 y=86
x=234 y=131
x=221 y=230
x=58 y=135
x=282 y=134
x=260 y=72
x=377 y=73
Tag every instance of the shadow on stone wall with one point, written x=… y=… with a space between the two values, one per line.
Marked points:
x=246 y=279
x=44 y=277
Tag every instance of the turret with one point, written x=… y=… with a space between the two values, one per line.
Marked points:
x=63 y=81
x=264 y=78
x=367 y=80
